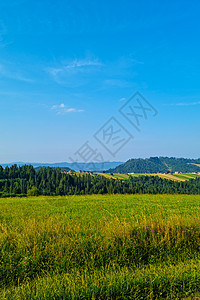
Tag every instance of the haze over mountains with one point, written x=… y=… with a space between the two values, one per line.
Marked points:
x=137 y=165
x=96 y=166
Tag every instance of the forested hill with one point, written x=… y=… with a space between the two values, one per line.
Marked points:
x=25 y=180
x=158 y=164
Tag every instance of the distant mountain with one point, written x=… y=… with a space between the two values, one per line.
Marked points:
x=158 y=164
x=91 y=166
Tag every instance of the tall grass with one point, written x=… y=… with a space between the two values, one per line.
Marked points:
x=154 y=282
x=100 y=247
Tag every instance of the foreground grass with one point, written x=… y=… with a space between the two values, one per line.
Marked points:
x=100 y=247
x=114 y=283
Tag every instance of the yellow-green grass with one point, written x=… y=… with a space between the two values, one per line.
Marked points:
x=187 y=176
x=138 y=174
x=107 y=175
x=121 y=176
x=174 y=177
x=191 y=175
x=164 y=176
x=81 y=173
x=152 y=282
x=181 y=176
x=100 y=247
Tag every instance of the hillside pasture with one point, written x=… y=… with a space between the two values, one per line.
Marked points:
x=174 y=177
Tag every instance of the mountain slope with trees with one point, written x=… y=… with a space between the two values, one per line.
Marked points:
x=158 y=164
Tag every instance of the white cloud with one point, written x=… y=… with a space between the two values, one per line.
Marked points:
x=63 y=109
x=184 y=104
x=122 y=99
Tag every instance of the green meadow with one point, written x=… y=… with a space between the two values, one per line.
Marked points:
x=100 y=247
x=176 y=177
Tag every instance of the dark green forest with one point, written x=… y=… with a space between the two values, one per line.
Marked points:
x=158 y=164
x=25 y=180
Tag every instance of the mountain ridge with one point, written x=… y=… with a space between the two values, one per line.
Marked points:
x=158 y=164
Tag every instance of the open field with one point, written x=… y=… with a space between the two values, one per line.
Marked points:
x=174 y=177
x=100 y=247
x=191 y=175
x=107 y=175
x=184 y=176
x=121 y=176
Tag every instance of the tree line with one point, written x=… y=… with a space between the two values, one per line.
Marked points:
x=25 y=180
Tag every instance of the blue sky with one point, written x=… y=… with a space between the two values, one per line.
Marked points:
x=67 y=67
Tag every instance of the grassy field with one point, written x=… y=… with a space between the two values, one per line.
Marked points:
x=174 y=177
x=100 y=247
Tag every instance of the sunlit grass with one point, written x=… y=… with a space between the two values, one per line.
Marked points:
x=130 y=246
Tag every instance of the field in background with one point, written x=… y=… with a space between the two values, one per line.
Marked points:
x=100 y=247
x=174 y=177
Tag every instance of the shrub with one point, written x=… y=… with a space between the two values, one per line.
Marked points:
x=33 y=191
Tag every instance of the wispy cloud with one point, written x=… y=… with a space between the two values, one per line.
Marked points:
x=184 y=104
x=3 y=31
x=122 y=99
x=117 y=82
x=83 y=72
x=3 y=36
x=136 y=61
x=7 y=73
x=62 y=109
x=74 y=66
x=75 y=73
x=83 y=63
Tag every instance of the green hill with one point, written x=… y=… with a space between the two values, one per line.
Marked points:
x=158 y=164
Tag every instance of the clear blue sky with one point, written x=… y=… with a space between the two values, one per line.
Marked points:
x=66 y=68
